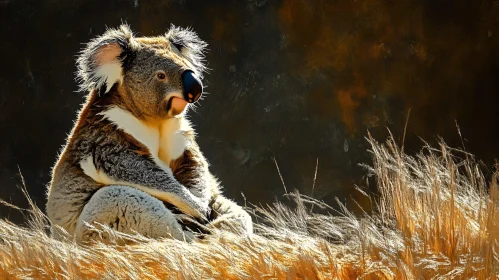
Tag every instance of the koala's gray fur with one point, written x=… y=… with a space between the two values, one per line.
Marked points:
x=119 y=203
x=131 y=161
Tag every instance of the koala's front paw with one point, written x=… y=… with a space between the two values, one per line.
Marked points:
x=192 y=225
x=192 y=206
x=202 y=208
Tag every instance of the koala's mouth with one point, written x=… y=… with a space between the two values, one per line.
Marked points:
x=176 y=105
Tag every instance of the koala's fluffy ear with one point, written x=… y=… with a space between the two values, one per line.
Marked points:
x=101 y=63
x=189 y=44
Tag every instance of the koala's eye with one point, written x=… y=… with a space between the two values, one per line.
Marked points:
x=161 y=76
x=178 y=46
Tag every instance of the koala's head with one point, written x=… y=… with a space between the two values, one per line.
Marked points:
x=150 y=76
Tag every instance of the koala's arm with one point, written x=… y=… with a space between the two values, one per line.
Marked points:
x=128 y=167
x=191 y=170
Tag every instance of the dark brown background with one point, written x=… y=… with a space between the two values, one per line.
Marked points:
x=295 y=80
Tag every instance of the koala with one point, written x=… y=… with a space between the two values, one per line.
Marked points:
x=131 y=161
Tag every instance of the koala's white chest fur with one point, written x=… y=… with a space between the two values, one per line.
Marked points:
x=163 y=139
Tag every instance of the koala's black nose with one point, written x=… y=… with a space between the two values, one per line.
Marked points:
x=193 y=88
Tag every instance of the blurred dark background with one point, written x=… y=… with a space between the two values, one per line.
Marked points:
x=300 y=81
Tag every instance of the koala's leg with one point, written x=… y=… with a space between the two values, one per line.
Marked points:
x=229 y=216
x=127 y=210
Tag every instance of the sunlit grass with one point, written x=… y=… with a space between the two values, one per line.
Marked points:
x=435 y=216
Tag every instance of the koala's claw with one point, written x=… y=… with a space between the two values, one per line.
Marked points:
x=203 y=211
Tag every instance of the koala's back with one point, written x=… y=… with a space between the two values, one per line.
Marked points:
x=70 y=188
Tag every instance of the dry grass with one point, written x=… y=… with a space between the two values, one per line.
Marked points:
x=435 y=218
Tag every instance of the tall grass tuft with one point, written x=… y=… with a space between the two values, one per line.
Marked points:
x=434 y=217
